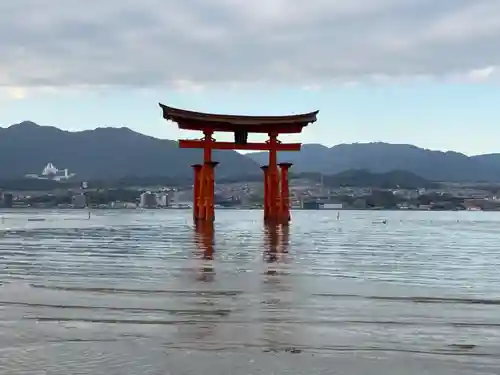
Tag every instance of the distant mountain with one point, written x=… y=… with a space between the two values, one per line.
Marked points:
x=388 y=180
x=114 y=153
x=104 y=153
x=384 y=157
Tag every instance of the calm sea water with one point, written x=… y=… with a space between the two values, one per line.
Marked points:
x=131 y=292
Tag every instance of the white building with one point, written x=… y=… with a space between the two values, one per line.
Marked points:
x=406 y=193
x=332 y=206
x=51 y=172
x=162 y=199
x=148 y=200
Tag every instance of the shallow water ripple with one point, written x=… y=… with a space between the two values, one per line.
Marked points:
x=131 y=292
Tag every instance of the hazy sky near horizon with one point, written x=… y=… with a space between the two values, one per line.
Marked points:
x=401 y=71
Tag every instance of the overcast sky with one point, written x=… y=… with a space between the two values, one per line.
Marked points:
x=405 y=71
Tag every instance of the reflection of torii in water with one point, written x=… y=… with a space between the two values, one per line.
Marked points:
x=204 y=238
x=278 y=293
x=203 y=326
x=276 y=242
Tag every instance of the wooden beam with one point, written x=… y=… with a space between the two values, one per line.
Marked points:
x=192 y=143
x=230 y=128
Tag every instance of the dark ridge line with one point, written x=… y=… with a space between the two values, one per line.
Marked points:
x=218 y=312
x=281 y=348
x=269 y=320
x=456 y=300
x=138 y=291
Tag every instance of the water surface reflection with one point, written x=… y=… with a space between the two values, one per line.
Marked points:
x=276 y=242
x=205 y=241
x=277 y=291
x=146 y=292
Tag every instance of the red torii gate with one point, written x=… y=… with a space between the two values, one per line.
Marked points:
x=276 y=190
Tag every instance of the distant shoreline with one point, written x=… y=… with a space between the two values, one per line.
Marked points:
x=233 y=208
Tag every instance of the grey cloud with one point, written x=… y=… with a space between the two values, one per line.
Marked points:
x=150 y=42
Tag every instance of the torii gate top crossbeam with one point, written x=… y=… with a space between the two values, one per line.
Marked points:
x=190 y=120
